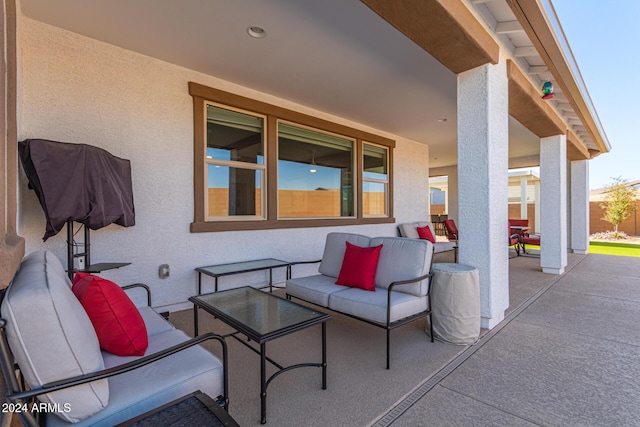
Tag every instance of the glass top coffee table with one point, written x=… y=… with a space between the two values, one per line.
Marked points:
x=262 y=317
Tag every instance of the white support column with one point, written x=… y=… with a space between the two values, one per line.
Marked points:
x=536 y=206
x=483 y=143
x=446 y=201
x=523 y=198
x=452 y=195
x=580 y=206
x=553 y=188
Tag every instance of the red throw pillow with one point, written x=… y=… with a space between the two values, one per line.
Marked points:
x=117 y=321
x=425 y=233
x=359 y=267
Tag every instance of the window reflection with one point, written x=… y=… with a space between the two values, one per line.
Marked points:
x=235 y=163
x=315 y=174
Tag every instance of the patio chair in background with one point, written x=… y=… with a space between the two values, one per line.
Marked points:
x=518 y=226
x=452 y=233
x=521 y=228
x=452 y=230
x=529 y=239
x=514 y=240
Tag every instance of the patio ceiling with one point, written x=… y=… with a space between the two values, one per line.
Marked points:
x=336 y=56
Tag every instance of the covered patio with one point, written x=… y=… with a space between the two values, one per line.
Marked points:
x=229 y=113
x=431 y=88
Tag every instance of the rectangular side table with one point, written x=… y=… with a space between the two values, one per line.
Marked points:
x=220 y=270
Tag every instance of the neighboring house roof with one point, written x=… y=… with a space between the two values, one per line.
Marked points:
x=600 y=194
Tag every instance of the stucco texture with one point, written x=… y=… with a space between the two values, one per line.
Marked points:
x=75 y=89
x=482 y=174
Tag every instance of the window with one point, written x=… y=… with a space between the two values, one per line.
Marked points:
x=259 y=166
x=375 y=180
x=315 y=174
x=438 y=189
x=235 y=164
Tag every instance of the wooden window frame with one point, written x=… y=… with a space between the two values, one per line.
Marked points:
x=238 y=165
x=202 y=95
x=386 y=182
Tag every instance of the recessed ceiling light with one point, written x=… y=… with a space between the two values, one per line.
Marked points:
x=257 y=32
x=442 y=120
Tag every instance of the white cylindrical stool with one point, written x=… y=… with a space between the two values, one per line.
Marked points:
x=455 y=300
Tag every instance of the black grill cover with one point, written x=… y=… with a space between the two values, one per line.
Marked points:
x=78 y=182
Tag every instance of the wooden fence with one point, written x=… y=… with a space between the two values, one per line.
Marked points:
x=631 y=225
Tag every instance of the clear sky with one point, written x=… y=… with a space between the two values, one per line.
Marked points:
x=605 y=38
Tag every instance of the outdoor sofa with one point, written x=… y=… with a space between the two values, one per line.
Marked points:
x=402 y=282
x=410 y=230
x=48 y=337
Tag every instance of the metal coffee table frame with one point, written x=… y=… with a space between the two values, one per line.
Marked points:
x=231 y=305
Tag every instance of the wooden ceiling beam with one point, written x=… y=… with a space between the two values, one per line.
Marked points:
x=576 y=150
x=446 y=29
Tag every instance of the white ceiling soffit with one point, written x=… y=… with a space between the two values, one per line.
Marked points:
x=499 y=16
x=335 y=56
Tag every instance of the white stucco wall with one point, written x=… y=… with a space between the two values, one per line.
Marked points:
x=75 y=89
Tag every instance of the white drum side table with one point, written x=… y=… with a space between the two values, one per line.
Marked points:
x=455 y=297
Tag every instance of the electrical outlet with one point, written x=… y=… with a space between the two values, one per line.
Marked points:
x=81 y=263
x=164 y=271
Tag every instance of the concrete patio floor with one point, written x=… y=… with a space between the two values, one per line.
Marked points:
x=569 y=355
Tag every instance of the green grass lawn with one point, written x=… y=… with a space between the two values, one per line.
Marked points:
x=614 y=248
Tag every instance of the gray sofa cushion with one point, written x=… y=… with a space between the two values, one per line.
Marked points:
x=373 y=305
x=334 y=250
x=151 y=386
x=408 y=229
x=444 y=246
x=154 y=323
x=403 y=259
x=315 y=289
x=51 y=335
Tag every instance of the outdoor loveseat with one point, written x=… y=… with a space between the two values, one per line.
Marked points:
x=402 y=281
x=49 y=340
x=410 y=230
